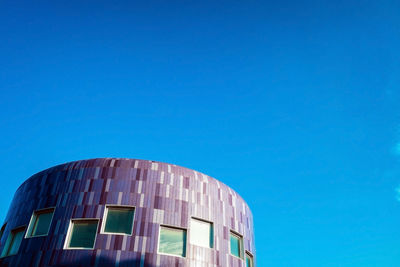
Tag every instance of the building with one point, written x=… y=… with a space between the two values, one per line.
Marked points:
x=126 y=212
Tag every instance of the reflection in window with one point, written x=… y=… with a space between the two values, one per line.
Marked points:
x=13 y=242
x=201 y=233
x=40 y=223
x=236 y=245
x=119 y=220
x=172 y=241
x=249 y=260
x=82 y=234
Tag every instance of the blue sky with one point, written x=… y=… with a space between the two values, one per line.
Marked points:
x=294 y=104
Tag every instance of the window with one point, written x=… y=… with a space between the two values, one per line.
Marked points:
x=40 y=223
x=118 y=220
x=236 y=245
x=13 y=242
x=2 y=231
x=81 y=234
x=249 y=260
x=201 y=233
x=172 y=241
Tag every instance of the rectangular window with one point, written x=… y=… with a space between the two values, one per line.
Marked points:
x=172 y=241
x=13 y=242
x=40 y=223
x=201 y=233
x=81 y=234
x=2 y=231
x=249 y=260
x=236 y=245
x=118 y=220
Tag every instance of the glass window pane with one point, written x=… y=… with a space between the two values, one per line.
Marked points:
x=83 y=234
x=172 y=241
x=2 y=231
x=249 y=260
x=235 y=245
x=6 y=246
x=42 y=224
x=119 y=220
x=14 y=246
x=13 y=242
x=201 y=233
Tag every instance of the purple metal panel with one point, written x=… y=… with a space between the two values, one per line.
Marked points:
x=162 y=194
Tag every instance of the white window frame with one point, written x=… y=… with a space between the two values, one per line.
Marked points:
x=241 y=247
x=34 y=216
x=250 y=255
x=173 y=227
x=211 y=234
x=23 y=227
x=105 y=213
x=69 y=232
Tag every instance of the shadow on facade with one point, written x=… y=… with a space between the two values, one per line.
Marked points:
x=86 y=261
x=101 y=262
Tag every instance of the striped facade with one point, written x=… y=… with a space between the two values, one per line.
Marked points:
x=161 y=193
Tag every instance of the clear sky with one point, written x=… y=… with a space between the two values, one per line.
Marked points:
x=294 y=104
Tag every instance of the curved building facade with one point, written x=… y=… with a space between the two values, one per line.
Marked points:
x=126 y=212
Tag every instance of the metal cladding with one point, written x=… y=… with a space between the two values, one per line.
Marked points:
x=162 y=194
